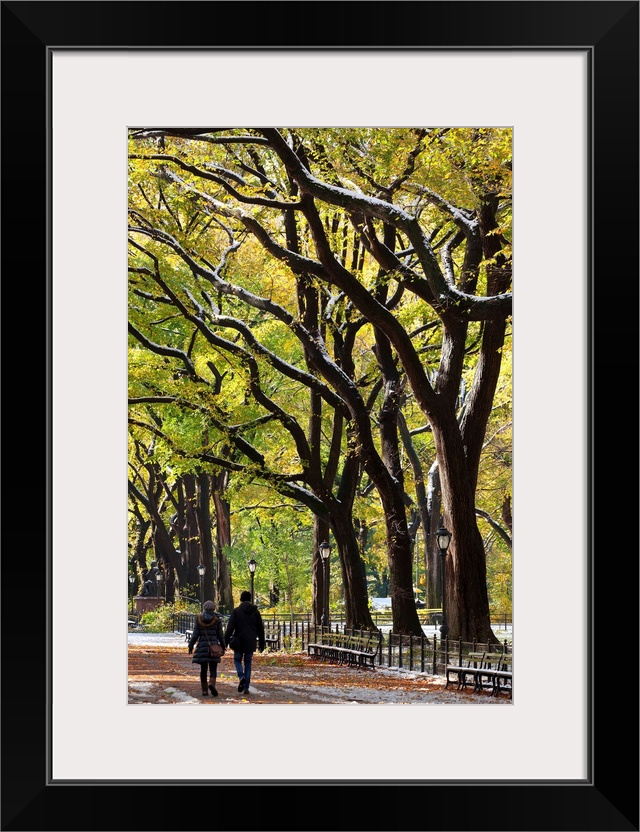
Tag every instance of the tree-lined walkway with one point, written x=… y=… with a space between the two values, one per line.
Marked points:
x=161 y=672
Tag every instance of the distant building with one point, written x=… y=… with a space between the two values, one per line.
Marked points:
x=381 y=603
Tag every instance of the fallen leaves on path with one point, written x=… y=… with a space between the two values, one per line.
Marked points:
x=166 y=674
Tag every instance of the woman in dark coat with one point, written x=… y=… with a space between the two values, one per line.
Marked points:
x=245 y=627
x=207 y=630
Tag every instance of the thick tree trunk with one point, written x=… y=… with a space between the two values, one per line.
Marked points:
x=224 y=593
x=356 y=610
x=140 y=547
x=204 y=527
x=391 y=490
x=465 y=572
x=192 y=552
x=357 y=613
x=506 y=513
x=181 y=524
x=432 y=594
x=405 y=614
x=432 y=553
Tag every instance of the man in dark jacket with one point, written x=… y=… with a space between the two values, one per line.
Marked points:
x=244 y=628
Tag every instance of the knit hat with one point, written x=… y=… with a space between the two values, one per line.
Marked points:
x=209 y=606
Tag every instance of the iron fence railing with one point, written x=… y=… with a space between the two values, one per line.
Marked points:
x=423 y=654
x=380 y=619
x=385 y=618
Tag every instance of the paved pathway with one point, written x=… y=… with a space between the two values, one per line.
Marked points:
x=161 y=672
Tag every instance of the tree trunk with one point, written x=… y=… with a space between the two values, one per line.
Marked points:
x=224 y=593
x=192 y=552
x=465 y=572
x=181 y=524
x=391 y=490
x=357 y=613
x=204 y=526
x=356 y=609
x=140 y=547
x=432 y=597
x=403 y=605
x=433 y=518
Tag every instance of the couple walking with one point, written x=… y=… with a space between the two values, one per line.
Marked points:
x=244 y=629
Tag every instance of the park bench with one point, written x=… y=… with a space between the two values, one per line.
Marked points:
x=344 y=648
x=461 y=671
x=480 y=669
x=363 y=649
x=503 y=676
x=272 y=640
x=484 y=677
x=325 y=647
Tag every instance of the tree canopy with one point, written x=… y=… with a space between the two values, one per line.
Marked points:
x=319 y=327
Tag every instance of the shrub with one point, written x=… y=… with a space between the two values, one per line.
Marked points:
x=161 y=620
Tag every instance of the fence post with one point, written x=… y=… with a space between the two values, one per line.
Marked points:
x=422 y=653
x=435 y=653
x=410 y=652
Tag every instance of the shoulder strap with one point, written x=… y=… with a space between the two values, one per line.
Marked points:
x=204 y=629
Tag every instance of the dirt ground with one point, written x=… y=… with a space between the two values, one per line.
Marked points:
x=165 y=674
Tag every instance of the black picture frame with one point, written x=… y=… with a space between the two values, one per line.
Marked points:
x=608 y=799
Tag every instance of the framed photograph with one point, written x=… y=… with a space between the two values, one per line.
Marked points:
x=564 y=77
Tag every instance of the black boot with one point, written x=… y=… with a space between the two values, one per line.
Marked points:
x=212 y=687
x=205 y=692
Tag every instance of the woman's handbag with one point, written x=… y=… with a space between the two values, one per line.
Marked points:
x=216 y=651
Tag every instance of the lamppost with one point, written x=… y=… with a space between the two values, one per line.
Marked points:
x=252 y=571
x=325 y=551
x=132 y=580
x=444 y=538
x=201 y=571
